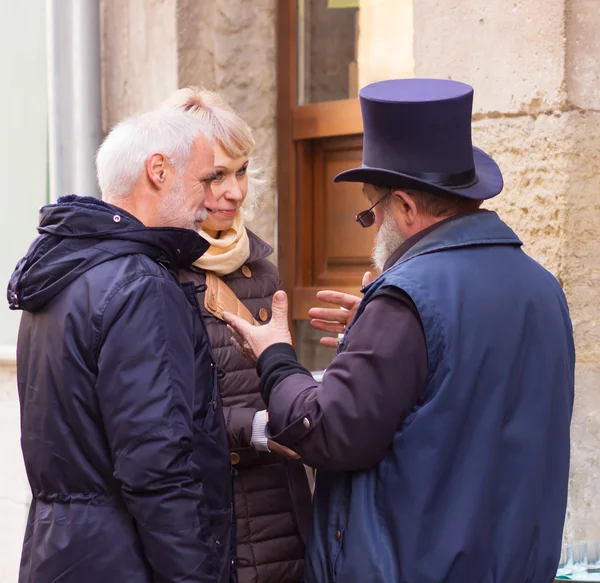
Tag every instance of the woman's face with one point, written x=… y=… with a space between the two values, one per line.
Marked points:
x=229 y=188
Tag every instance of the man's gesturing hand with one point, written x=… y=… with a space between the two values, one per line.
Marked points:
x=252 y=341
x=336 y=320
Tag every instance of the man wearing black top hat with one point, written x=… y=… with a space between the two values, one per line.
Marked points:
x=441 y=429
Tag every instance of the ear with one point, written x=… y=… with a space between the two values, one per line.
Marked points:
x=406 y=206
x=156 y=169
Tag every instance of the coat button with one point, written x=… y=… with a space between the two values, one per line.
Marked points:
x=235 y=458
x=218 y=542
x=338 y=535
x=246 y=271
x=117 y=219
x=306 y=423
x=214 y=404
x=263 y=315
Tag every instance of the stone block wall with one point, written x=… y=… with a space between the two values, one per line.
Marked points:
x=583 y=53
x=139 y=57
x=512 y=51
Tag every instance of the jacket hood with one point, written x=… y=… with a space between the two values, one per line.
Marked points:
x=79 y=233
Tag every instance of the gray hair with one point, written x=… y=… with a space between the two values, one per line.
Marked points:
x=436 y=205
x=122 y=156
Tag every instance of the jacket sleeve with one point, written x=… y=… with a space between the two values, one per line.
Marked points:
x=239 y=426
x=348 y=421
x=146 y=388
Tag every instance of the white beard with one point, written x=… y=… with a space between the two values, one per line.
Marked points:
x=202 y=215
x=387 y=241
x=174 y=211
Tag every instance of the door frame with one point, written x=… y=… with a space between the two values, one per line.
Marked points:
x=296 y=127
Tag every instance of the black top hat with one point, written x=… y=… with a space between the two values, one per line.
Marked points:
x=417 y=134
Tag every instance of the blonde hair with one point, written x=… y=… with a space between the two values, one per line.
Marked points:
x=229 y=130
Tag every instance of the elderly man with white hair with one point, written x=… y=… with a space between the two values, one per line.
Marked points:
x=123 y=433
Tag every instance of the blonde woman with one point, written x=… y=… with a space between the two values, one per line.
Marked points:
x=271 y=492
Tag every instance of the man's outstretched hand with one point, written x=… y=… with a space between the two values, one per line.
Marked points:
x=252 y=341
x=335 y=320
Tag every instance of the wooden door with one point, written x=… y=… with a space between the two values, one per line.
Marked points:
x=320 y=245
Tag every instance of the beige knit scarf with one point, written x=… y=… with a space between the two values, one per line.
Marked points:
x=228 y=250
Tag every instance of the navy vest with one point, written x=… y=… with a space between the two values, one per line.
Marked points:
x=474 y=486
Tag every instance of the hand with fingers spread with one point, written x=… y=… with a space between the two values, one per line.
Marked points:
x=252 y=341
x=336 y=320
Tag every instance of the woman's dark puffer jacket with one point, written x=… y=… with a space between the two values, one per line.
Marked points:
x=272 y=495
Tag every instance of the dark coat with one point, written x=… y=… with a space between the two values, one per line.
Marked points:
x=123 y=434
x=472 y=486
x=272 y=495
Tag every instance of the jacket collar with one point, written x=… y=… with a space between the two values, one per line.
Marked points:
x=79 y=233
x=479 y=228
x=87 y=218
x=412 y=241
x=258 y=248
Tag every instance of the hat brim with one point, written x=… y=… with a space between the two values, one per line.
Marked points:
x=489 y=179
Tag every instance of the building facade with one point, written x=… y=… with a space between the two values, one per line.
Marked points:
x=292 y=68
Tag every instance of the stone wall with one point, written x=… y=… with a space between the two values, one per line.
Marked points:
x=535 y=66
x=139 y=56
x=149 y=49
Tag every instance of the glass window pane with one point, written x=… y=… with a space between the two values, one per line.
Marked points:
x=327 y=50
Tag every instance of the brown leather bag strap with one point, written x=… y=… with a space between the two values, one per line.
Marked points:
x=220 y=298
